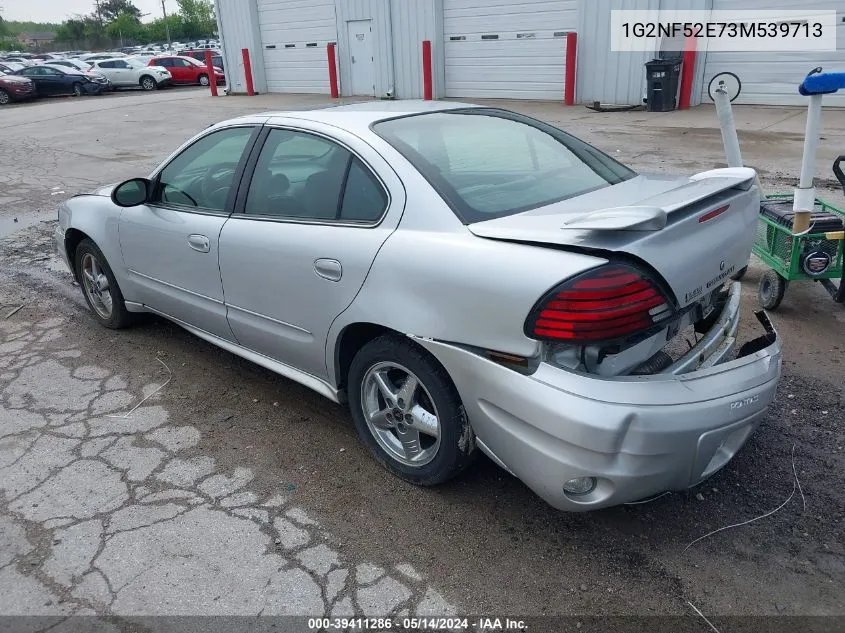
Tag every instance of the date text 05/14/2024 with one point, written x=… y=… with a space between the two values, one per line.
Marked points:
x=416 y=624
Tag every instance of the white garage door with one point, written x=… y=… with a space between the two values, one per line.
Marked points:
x=773 y=78
x=507 y=49
x=294 y=35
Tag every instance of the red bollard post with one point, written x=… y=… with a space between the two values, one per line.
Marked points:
x=428 y=91
x=250 y=87
x=687 y=74
x=330 y=48
x=571 y=58
x=212 y=76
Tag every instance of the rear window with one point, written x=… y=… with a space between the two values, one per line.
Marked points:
x=489 y=163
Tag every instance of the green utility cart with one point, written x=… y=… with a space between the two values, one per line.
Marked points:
x=812 y=256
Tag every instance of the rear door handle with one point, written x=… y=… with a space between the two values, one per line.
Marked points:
x=199 y=243
x=330 y=269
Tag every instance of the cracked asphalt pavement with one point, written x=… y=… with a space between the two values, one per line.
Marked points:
x=145 y=472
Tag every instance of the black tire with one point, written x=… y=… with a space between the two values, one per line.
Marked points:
x=738 y=275
x=120 y=317
x=771 y=290
x=203 y=79
x=148 y=83
x=5 y=99
x=457 y=441
x=78 y=90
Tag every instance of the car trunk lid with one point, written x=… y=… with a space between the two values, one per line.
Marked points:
x=695 y=232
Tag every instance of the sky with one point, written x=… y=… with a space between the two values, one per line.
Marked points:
x=60 y=10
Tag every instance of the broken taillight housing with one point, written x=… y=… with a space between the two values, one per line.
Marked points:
x=610 y=303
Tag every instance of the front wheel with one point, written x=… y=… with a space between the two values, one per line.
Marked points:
x=78 y=90
x=771 y=290
x=148 y=83
x=204 y=80
x=408 y=412
x=4 y=97
x=100 y=288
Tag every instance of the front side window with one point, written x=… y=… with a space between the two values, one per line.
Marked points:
x=489 y=163
x=201 y=177
x=304 y=176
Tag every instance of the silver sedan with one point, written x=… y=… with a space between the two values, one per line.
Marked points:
x=465 y=277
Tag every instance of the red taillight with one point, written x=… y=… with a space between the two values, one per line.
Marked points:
x=607 y=303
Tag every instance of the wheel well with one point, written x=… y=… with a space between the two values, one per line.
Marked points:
x=72 y=239
x=142 y=77
x=353 y=338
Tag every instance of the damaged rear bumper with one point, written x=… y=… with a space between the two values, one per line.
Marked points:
x=636 y=435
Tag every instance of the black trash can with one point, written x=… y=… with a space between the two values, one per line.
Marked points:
x=662 y=79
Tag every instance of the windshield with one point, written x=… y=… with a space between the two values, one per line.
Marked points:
x=134 y=63
x=489 y=163
x=193 y=61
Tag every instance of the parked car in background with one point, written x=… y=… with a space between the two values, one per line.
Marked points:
x=100 y=78
x=187 y=70
x=199 y=55
x=46 y=57
x=144 y=58
x=94 y=57
x=131 y=73
x=25 y=61
x=11 y=67
x=61 y=81
x=15 y=88
x=78 y=64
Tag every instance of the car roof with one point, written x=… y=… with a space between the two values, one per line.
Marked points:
x=361 y=115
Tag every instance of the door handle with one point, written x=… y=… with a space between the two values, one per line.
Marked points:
x=199 y=243
x=330 y=269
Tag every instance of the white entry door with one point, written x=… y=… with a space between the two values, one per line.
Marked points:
x=361 y=57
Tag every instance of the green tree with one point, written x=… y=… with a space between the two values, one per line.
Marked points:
x=111 y=10
x=156 y=31
x=73 y=30
x=126 y=27
x=197 y=17
x=2 y=27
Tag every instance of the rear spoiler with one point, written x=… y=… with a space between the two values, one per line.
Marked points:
x=654 y=217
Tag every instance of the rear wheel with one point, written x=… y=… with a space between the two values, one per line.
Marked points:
x=408 y=412
x=148 y=83
x=771 y=290
x=78 y=90
x=204 y=80
x=99 y=286
x=4 y=97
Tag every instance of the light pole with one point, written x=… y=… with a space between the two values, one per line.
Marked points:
x=166 y=25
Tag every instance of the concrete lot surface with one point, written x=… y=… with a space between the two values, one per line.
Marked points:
x=145 y=472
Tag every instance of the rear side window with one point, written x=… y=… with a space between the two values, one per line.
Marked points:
x=364 y=200
x=489 y=163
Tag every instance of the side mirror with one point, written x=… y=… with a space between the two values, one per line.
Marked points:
x=131 y=193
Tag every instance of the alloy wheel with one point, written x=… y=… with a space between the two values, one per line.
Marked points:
x=96 y=285
x=400 y=413
x=4 y=97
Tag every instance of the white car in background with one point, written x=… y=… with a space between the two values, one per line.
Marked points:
x=95 y=57
x=129 y=72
